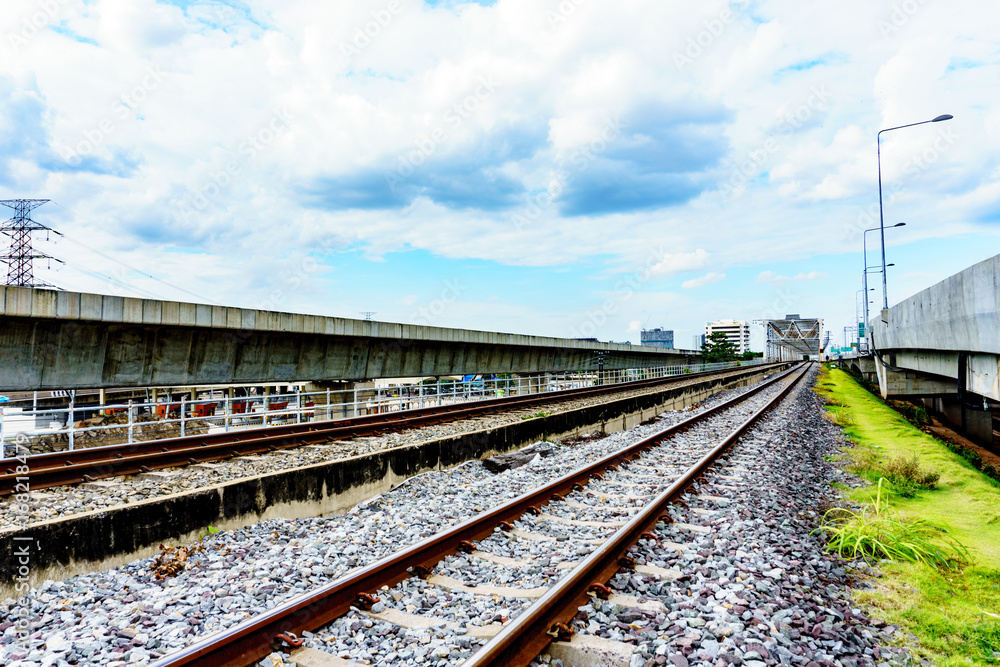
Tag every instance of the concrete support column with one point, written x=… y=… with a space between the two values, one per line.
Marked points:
x=966 y=417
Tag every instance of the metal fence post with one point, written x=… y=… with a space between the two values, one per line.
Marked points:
x=228 y=411
x=3 y=453
x=131 y=422
x=298 y=405
x=69 y=417
x=183 y=416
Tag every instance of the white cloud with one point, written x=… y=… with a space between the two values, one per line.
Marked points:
x=707 y=279
x=635 y=326
x=772 y=278
x=776 y=174
x=679 y=262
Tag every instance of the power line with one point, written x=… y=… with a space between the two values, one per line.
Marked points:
x=113 y=281
x=127 y=266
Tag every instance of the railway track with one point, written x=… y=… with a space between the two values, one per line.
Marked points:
x=657 y=474
x=84 y=465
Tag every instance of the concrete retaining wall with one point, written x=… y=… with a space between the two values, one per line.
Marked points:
x=98 y=540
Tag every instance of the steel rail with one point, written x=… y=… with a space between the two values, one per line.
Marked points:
x=255 y=638
x=522 y=639
x=79 y=465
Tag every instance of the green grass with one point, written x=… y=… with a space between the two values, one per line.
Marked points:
x=876 y=532
x=955 y=615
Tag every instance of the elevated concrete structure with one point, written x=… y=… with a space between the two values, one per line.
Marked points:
x=943 y=345
x=67 y=340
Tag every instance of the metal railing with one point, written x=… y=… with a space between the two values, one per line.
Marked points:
x=125 y=423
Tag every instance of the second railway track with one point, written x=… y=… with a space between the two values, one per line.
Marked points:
x=600 y=510
x=90 y=464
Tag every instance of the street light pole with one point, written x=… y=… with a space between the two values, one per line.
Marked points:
x=881 y=218
x=864 y=253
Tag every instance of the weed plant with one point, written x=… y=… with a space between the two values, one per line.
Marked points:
x=907 y=477
x=878 y=532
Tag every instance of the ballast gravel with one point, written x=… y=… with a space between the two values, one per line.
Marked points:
x=127 y=615
x=757 y=588
x=65 y=501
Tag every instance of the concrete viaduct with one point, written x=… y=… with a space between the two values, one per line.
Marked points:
x=942 y=346
x=66 y=340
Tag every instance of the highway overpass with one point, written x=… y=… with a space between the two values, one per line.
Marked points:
x=67 y=340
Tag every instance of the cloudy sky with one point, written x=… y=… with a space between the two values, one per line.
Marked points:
x=567 y=168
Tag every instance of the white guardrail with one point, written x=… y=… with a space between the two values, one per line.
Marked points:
x=222 y=412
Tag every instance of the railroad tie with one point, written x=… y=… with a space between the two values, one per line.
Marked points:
x=592 y=650
x=658 y=572
x=609 y=508
x=310 y=657
x=405 y=620
x=485 y=589
x=577 y=522
x=618 y=496
x=535 y=537
x=692 y=527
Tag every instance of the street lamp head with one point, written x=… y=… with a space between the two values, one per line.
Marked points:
x=900 y=224
x=942 y=117
x=887 y=265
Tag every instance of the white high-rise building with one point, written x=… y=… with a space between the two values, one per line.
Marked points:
x=737 y=332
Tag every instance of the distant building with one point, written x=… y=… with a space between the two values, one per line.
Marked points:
x=737 y=332
x=657 y=337
x=697 y=341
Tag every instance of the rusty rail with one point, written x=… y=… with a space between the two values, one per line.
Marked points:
x=255 y=638
x=81 y=465
x=525 y=637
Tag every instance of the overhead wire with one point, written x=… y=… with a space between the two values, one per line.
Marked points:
x=112 y=281
x=127 y=266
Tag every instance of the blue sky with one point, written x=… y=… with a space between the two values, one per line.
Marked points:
x=554 y=167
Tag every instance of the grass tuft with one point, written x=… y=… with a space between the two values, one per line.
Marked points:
x=907 y=477
x=877 y=532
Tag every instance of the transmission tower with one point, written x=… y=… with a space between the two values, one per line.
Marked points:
x=20 y=255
